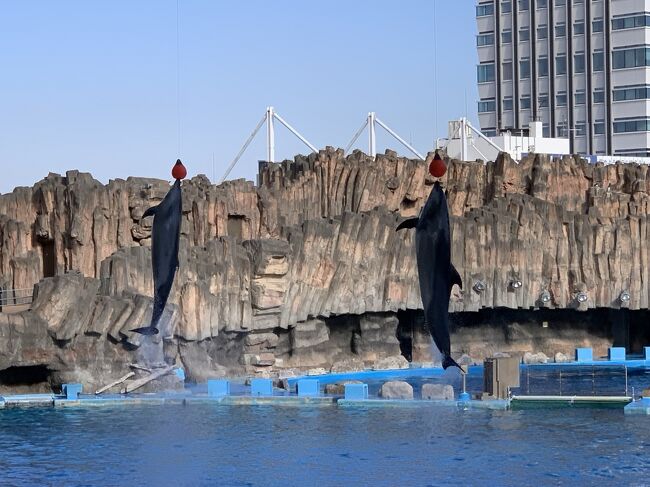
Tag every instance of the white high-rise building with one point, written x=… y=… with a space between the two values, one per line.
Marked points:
x=581 y=67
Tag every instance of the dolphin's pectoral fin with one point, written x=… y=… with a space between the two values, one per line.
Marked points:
x=409 y=223
x=146 y=330
x=455 y=277
x=151 y=211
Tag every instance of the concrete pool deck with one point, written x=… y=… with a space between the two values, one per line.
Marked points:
x=307 y=391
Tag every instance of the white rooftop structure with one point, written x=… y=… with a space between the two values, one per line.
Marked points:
x=467 y=143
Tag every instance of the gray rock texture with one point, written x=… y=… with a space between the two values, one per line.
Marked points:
x=437 y=392
x=396 y=389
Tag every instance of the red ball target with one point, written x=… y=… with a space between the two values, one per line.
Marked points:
x=179 y=171
x=437 y=168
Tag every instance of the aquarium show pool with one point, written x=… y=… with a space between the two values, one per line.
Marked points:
x=212 y=444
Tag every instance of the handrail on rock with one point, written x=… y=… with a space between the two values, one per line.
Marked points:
x=16 y=297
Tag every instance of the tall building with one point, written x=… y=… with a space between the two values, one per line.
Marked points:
x=581 y=67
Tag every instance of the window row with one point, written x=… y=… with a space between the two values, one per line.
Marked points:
x=486 y=105
x=487 y=39
x=639 y=20
x=638 y=125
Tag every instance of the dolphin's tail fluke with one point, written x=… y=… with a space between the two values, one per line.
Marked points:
x=447 y=361
x=146 y=330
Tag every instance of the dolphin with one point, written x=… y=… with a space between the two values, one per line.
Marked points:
x=165 y=236
x=436 y=273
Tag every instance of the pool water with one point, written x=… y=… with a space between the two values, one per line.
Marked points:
x=212 y=444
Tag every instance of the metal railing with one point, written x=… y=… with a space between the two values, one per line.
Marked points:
x=569 y=380
x=16 y=297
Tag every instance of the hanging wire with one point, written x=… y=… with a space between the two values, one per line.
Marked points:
x=435 y=71
x=178 y=78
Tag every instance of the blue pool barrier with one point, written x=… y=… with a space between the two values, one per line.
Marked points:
x=308 y=387
x=261 y=387
x=616 y=353
x=584 y=355
x=71 y=391
x=646 y=353
x=218 y=387
x=356 y=392
x=464 y=396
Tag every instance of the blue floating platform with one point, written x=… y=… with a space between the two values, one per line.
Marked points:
x=494 y=404
x=616 y=353
x=308 y=387
x=641 y=407
x=261 y=387
x=218 y=387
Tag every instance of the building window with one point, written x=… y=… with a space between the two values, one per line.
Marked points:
x=542 y=100
x=542 y=32
x=489 y=132
x=580 y=97
x=485 y=72
x=487 y=105
x=631 y=58
x=524 y=102
x=542 y=66
x=542 y=3
x=599 y=96
x=559 y=3
x=579 y=27
x=632 y=153
x=597 y=25
x=486 y=39
x=485 y=9
x=507 y=104
x=507 y=70
x=524 y=69
x=524 y=5
x=631 y=22
x=506 y=7
x=598 y=61
x=631 y=93
x=560 y=64
x=546 y=130
x=581 y=128
x=562 y=130
x=524 y=34
x=579 y=63
x=560 y=99
x=560 y=30
x=638 y=125
x=599 y=127
x=506 y=37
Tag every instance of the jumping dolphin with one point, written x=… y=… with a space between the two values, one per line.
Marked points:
x=436 y=273
x=165 y=236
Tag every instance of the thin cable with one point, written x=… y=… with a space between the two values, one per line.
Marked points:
x=435 y=71
x=178 y=77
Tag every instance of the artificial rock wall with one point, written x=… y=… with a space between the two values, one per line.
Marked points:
x=268 y=273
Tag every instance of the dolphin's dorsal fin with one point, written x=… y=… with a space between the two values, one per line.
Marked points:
x=455 y=277
x=151 y=211
x=409 y=223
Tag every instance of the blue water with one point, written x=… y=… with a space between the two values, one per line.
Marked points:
x=211 y=444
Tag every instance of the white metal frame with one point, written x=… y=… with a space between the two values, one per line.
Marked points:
x=371 y=122
x=269 y=118
x=464 y=124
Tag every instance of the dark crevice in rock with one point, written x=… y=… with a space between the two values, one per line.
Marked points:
x=24 y=376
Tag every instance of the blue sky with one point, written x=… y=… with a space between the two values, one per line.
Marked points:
x=93 y=85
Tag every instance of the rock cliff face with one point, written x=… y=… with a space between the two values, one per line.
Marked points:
x=307 y=269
